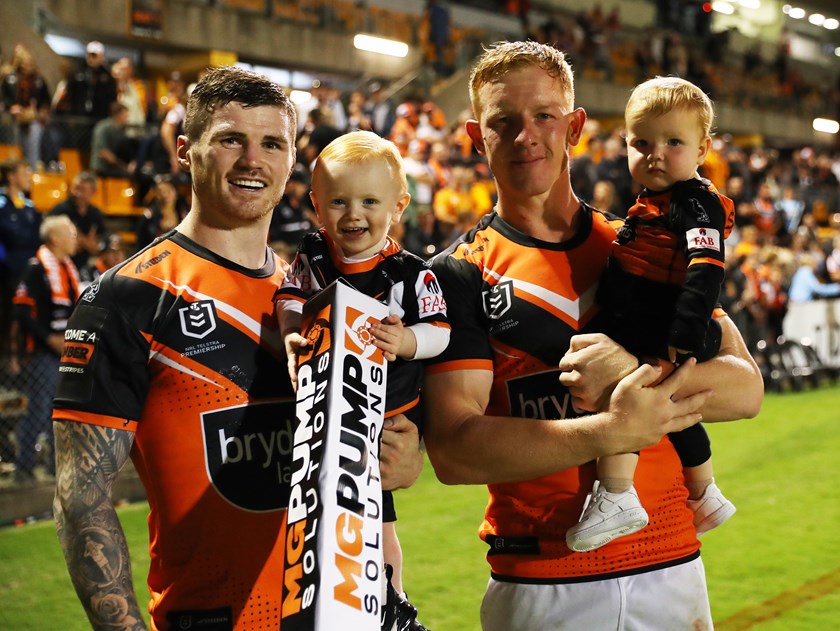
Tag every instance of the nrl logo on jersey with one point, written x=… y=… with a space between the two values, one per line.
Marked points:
x=498 y=300
x=198 y=320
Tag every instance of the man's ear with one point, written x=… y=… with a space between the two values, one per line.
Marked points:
x=474 y=132
x=183 y=152
x=576 y=121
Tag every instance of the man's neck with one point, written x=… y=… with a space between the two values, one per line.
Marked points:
x=549 y=218
x=245 y=245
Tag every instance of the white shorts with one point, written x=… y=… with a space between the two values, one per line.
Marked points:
x=669 y=599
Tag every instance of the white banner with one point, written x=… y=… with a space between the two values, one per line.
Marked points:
x=333 y=575
x=818 y=323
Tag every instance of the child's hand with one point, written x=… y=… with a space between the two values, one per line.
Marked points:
x=394 y=339
x=678 y=355
x=294 y=342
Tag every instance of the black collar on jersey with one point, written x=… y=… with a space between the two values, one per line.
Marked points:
x=509 y=232
x=188 y=244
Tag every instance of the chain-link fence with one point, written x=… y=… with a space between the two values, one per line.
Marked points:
x=27 y=387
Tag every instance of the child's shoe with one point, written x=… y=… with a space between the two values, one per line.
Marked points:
x=397 y=613
x=605 y=517
x=711 y=510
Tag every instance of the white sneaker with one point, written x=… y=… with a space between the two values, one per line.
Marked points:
x=711 y=510
x=606 y=516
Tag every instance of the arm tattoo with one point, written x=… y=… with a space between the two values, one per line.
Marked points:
x=88 y=458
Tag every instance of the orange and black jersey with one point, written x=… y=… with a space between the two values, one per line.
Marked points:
x=182 y=347
x=514 y=303
x=667 y=268
x=394 y=277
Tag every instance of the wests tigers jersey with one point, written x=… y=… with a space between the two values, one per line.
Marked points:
x=395 y=277
x=514 y=303
x=182 y=347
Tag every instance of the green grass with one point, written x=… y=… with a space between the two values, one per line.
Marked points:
x=774 y=567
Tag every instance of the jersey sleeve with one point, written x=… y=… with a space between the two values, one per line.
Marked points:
x=469 y=344
x=703 y=223
x=104 y=375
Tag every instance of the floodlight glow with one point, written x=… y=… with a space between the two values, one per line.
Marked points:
x=380 y=45
x=299 y=96
x=816 y=19
x=723 y=7
x=796 y=13
x=826 y=125
x=750 y=4
x=831 y=24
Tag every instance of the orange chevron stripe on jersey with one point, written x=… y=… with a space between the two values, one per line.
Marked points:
x=514 y=303
x=187 y=356
x=171 y=261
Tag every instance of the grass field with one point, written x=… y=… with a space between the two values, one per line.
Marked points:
x=774 y=567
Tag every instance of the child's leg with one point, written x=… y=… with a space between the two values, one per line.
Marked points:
x=695 y=451
x=391 y=549
x=616 y=472
x=392 y=553
x=705 y=499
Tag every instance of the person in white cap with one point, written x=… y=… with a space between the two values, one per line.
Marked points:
x=91 y=90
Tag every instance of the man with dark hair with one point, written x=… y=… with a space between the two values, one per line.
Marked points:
x=112 y=152
x=175 y=358
x=88 y=218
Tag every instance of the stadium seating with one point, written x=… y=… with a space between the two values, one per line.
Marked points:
x=10 y=151
x=48 y=189
x=119 y=197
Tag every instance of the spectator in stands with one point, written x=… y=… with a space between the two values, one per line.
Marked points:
x=165 y=211
x=357 y=117
x=113 y=253
x=43 y=302
x=459 y=198
x=132 y=93
x=604 y=198
x=405 y=125
x=832 y=261
x=87 y=95
x=792 y=208
x=425 y=238
x=324 y=97
x=613 y=168
x=318 y=132
x=88 y=219
x=421 y=182
x=26 y=97
x=293 y=217
x=172 y=124
x=380 y=110
x=437 y=24
x=805 y=286
x=112 y=152
x=19 y=236
x=766 y=216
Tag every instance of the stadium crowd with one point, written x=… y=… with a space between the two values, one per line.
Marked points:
x=121 y=124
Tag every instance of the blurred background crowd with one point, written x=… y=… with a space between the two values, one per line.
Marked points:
x=98 y=146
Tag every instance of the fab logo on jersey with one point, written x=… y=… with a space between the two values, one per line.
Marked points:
x=333 y=564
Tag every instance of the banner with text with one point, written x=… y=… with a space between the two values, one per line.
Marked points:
x=333 y=575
